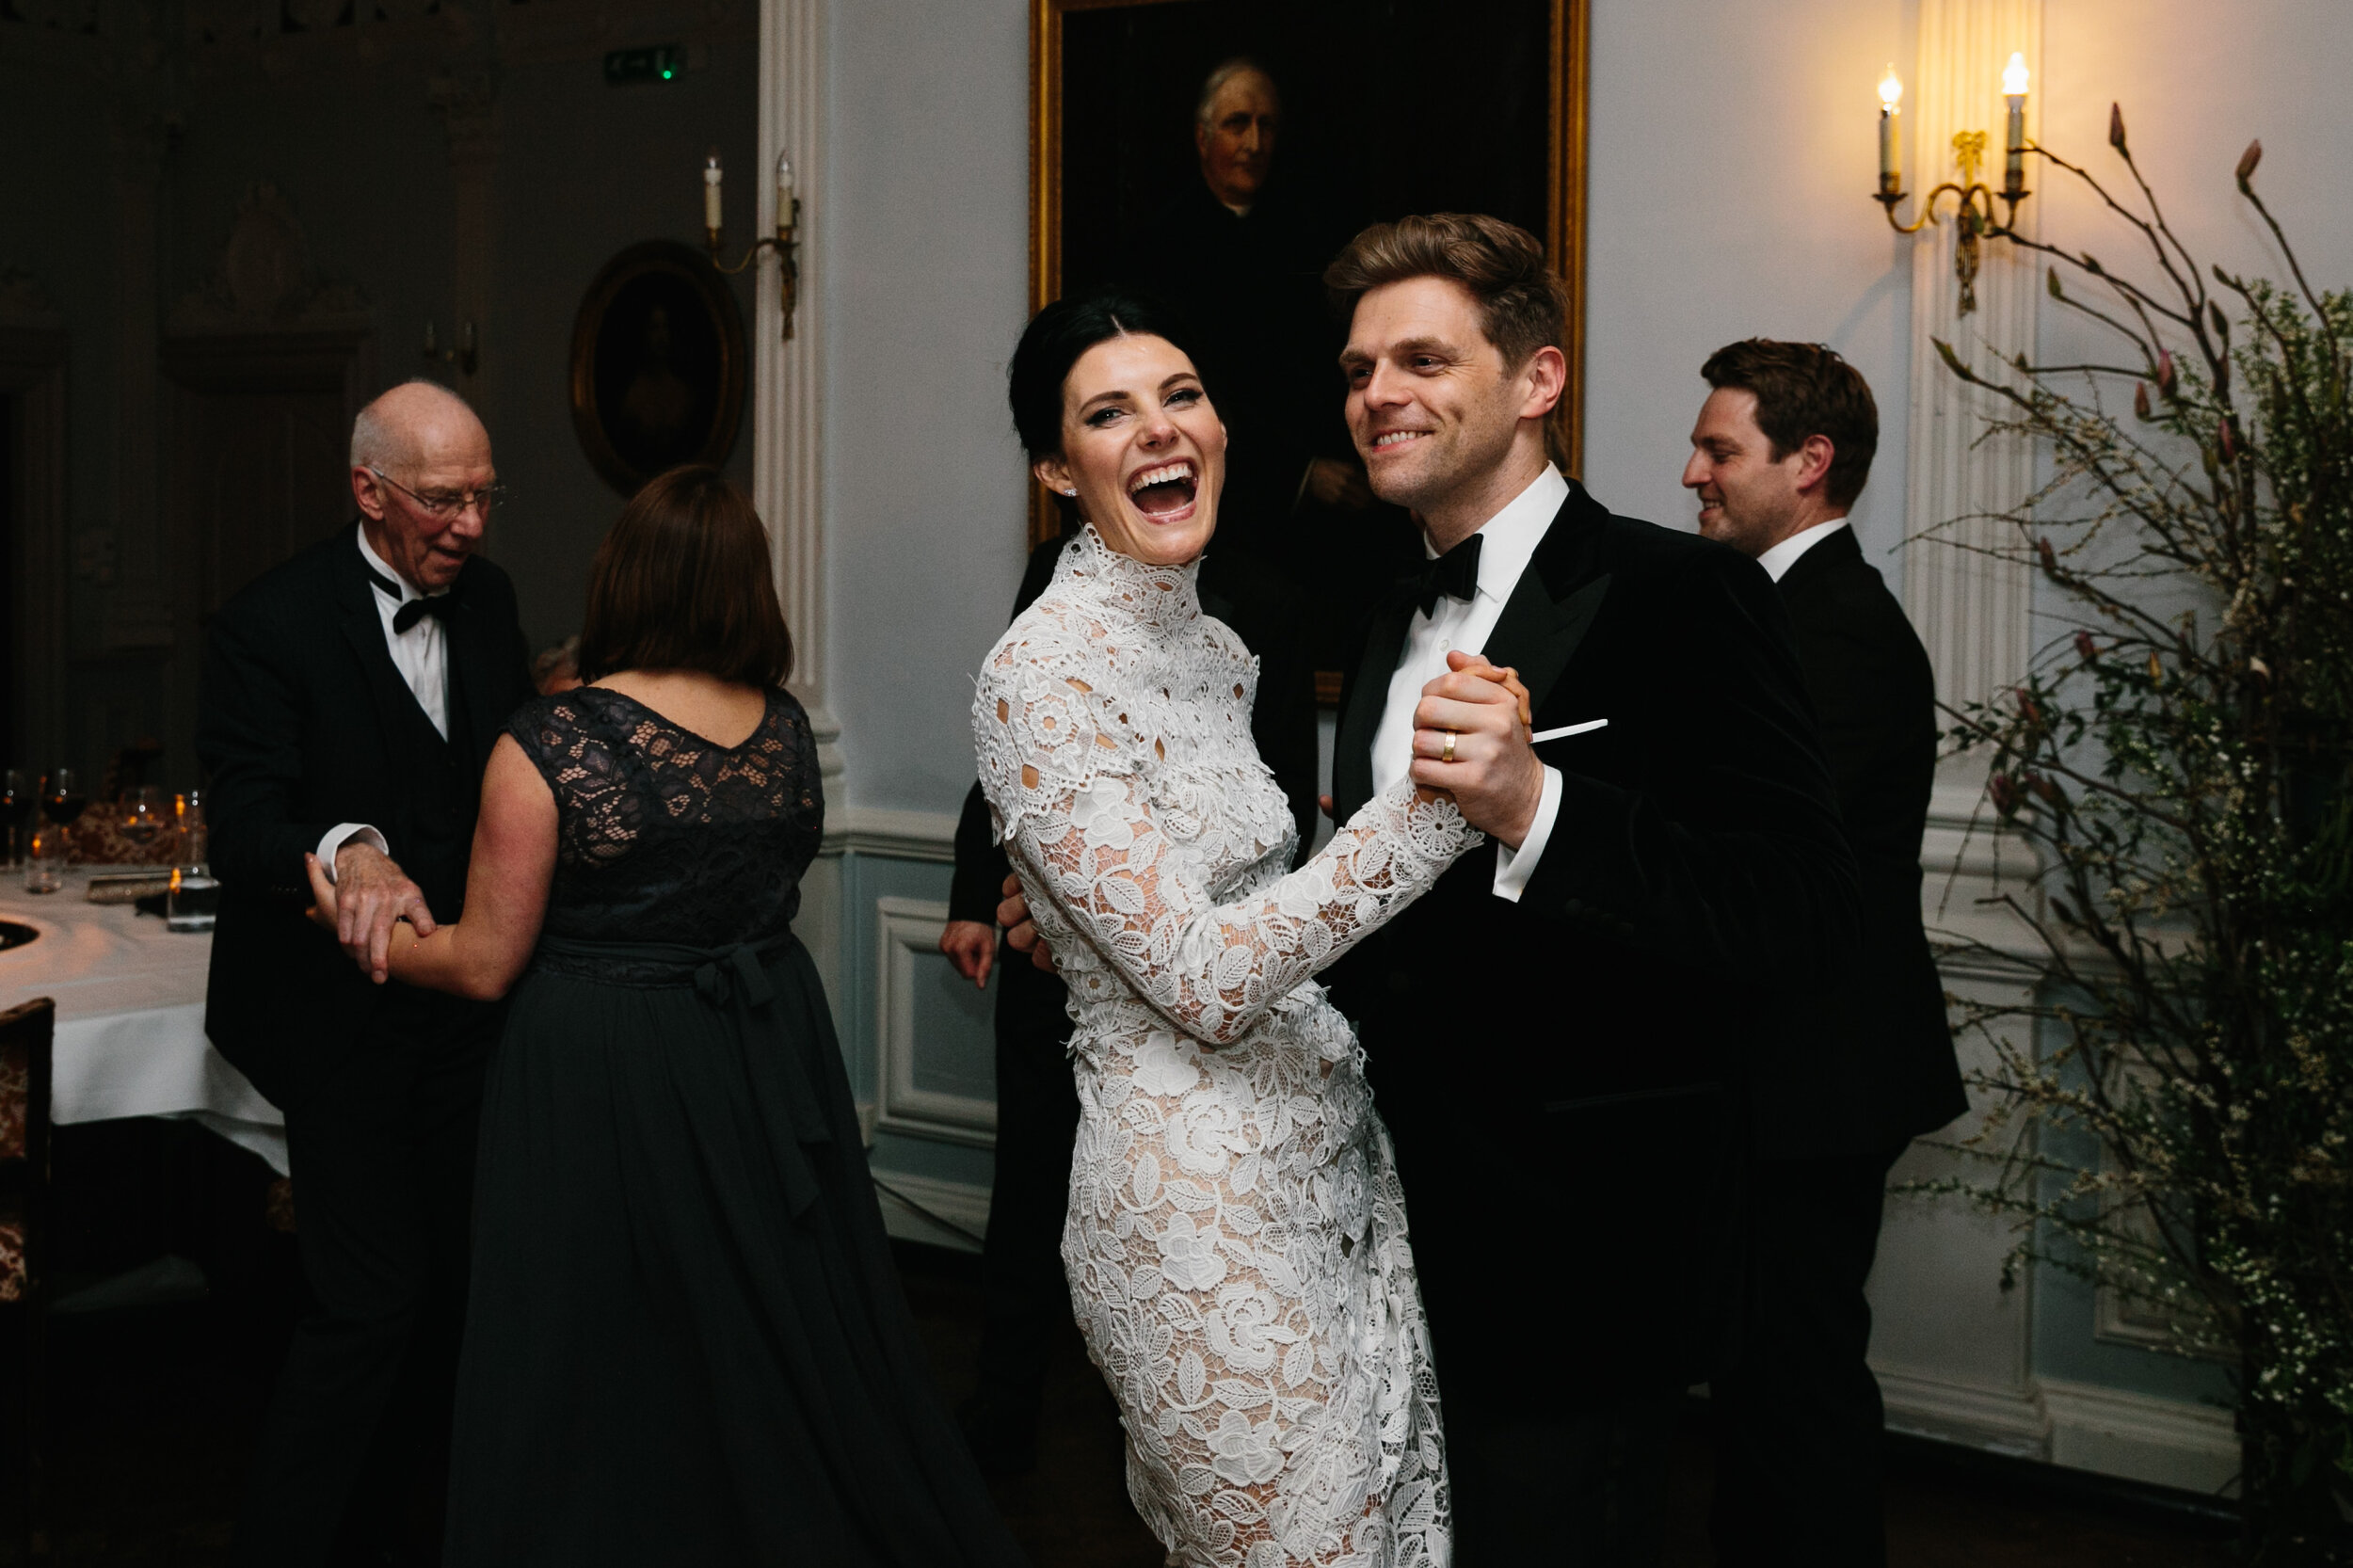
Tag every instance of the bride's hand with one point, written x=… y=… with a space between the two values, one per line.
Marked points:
x=1506 y=677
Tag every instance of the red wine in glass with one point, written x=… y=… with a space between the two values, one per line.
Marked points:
x=63 y=800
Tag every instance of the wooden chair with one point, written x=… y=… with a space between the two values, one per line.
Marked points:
x=26 y=1034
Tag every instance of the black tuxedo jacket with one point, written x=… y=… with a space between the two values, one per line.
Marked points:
x=304 y=722
x=1568 y=1079
x=1875 y=696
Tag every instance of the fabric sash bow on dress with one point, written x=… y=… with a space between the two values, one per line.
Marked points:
x=732 y=981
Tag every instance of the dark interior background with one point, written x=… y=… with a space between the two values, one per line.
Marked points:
x=1388 y=109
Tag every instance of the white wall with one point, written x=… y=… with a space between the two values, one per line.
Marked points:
x=927 y=253
x=1734 y=154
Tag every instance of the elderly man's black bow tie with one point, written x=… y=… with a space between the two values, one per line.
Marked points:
x=439 y=606
x=1452 y=575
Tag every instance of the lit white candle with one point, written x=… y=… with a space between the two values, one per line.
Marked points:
x=710 y=191
x=784 y=190
x=1891 y=95
x=2014 y=153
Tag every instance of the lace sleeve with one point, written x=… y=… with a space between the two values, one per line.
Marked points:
x=1062 y=771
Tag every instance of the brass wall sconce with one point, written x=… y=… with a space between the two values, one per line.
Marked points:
x=1973 y=200
x=786 y=242
x=466 y=356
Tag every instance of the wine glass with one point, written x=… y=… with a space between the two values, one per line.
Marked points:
x=143 y=814
x=187 y=814
x=16 y=809
x=62 y=801
x=61 y=796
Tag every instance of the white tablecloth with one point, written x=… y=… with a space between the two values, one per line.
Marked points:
x=130 y=1001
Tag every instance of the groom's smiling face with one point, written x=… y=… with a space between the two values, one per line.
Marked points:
x=1432 y=407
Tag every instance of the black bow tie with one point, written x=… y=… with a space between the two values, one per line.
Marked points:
x=439 y=606
x=1452 y=575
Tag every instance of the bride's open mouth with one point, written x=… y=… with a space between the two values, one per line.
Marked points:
x=1165 y=494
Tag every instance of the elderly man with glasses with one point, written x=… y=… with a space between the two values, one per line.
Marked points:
x=350 y=699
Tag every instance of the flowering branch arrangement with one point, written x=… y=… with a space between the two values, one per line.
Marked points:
x=2174 y=1119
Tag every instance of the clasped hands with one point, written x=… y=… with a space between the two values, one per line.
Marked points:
x=369 y=895
x=1489 y=768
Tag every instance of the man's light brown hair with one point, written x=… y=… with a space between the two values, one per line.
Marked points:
x=1805 y=389
x=1522 y=306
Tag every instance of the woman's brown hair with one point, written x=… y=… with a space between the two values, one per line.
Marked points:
x=682 y=582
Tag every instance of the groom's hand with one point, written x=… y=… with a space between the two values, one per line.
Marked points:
x=1494 y=777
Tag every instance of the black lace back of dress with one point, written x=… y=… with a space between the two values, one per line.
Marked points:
x=664 y=836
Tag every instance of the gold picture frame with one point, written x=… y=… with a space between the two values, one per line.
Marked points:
x=659 y=365
x=1567 y=57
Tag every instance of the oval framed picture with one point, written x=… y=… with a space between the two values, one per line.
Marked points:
x=658 y=357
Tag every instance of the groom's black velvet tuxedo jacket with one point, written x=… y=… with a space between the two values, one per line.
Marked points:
x=304 y=722
x=1573 y=1081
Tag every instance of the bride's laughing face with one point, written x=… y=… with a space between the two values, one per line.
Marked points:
x=1142 y=449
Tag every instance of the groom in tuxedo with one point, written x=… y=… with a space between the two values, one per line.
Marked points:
x=350 y=699
x=1563 y=1036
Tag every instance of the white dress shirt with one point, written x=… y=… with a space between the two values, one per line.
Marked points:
x=1509 y=541
x=1777 y=560
x=422 y=656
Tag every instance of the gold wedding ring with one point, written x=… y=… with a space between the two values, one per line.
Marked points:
x=1447 y=754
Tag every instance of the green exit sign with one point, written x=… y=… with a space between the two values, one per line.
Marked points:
x=664 y=62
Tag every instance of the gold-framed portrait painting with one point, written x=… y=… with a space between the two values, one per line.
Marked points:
x=658 y=365
x=1217 y=154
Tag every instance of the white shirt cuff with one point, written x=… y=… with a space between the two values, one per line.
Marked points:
x=342 y=833
x=1514 y=867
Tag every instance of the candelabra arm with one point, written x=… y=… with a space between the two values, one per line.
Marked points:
x=1890 y=199
x=786 y=243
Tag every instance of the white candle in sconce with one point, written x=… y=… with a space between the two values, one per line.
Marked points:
x=784 y=191
x=2014 y=148
x=1891 y=96
x=710 y=191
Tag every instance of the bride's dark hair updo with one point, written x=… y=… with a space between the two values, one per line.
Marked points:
x=1059 y=334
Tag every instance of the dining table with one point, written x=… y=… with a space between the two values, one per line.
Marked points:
x=130 y=1032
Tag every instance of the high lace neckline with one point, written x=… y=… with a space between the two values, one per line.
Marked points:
x=1165 y=597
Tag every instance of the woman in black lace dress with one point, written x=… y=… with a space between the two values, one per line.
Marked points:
x=686 y=1342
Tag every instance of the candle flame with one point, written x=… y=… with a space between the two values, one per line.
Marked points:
x=2014 y=77
x=1891 y=89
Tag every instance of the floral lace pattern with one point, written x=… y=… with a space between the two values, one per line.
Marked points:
x=1236 y=1243
x=663 y=835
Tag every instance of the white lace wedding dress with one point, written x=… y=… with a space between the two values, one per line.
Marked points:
x=1237 y=1242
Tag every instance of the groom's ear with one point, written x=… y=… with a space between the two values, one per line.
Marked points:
x=1054 y=474
x=1543 y=379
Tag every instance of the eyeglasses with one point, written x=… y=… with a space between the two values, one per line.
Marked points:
x=446 y=506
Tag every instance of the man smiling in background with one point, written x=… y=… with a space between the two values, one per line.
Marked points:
x=1781 y=451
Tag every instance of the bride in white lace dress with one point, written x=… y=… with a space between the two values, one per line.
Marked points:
x=1236 y=1243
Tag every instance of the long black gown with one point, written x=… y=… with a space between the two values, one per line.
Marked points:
x=686 y=1340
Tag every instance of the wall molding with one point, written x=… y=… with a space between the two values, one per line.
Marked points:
x=2083 y=1426
x=789 y=375
x=961 y=1203
x=906 y=932
x=1971 y=609
x=928 y=836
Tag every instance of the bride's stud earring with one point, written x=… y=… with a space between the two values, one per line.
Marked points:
x=1070 y=489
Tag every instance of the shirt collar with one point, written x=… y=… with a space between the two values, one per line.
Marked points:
x=1513 y=535
x=1777 y=560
